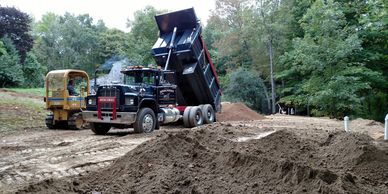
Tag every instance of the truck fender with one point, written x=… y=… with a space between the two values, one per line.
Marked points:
x=150 y=103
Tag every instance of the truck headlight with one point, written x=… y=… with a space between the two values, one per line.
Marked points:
x=129 y=101
x=91 y=102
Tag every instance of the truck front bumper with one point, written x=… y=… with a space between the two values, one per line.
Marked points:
x=107 y=117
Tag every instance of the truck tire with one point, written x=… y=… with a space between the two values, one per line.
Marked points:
x=100 y=128
x=208 y=114
x=186 y=113
x=145 y=121
x=195 y=116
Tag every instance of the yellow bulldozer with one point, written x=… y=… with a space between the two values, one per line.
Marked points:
x=66 y=91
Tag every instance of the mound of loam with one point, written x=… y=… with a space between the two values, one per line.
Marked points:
x=374 y=128
x=209 y=160
x=237 y=112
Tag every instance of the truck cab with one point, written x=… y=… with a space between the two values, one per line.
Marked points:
x=141 y=101
x=150 y=83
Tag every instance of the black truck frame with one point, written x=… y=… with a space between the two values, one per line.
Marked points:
x=183 y=85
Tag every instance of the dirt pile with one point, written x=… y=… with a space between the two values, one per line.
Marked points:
x=237 y=112
x=211 y=160
x=371 y=127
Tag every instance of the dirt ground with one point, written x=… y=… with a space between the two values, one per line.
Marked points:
x=303 y=154
x=223 y=158
x=50 y=154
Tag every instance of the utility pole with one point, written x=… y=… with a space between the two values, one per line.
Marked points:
x=273 y=95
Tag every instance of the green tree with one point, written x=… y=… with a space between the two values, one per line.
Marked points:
x=3 y=50
x=79 y=42
x=48 y=42
x=247 y=86
x=11 y=73
x=144 y=33
x=231 y=18
x=213 y=33
x=68 y=41
x=320 y=70
x=371 y=17
x=112 y=42
x=33 y=72
x=270 y=32
x=16 y=25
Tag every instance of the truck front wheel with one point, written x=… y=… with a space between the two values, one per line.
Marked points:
x=100 y=128
x=145 y=121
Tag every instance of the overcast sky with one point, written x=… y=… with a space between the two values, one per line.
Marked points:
x=113 y=12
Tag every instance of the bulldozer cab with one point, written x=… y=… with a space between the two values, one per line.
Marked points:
x=66 y=89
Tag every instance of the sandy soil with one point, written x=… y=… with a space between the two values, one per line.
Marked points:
x=31 y=155
x=229 y=158
x=35 y=156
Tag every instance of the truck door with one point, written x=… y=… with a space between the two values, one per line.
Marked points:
x=166 y=95
x=165 y=92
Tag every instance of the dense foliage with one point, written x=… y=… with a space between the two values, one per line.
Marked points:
x=11 y=73
x=321 y=57
x=329 y=58
x=17 y=63
x=246 y=86
x=16 y=25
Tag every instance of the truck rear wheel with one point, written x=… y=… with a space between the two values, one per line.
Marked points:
x=100 y=128
x=145 y=121
x=195 y=116
x=186 y=119
x=208 y=114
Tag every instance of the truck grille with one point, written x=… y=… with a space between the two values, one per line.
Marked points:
x=110 y=92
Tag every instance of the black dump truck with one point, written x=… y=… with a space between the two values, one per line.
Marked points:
x=183 y=85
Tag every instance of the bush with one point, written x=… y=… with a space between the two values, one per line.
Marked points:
x=246 y=86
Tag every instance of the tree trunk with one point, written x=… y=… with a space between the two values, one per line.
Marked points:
x=268 y=100
x=273 y=96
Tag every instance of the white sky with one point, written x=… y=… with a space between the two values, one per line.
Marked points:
x=113 y=12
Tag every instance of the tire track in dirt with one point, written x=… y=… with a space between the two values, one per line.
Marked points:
x=34 y=157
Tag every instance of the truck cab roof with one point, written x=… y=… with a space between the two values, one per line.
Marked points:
x=140 y=68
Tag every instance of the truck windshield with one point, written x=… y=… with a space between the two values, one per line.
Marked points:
x=139 y=77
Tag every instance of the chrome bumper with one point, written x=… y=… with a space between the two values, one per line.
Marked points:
x=106 y=117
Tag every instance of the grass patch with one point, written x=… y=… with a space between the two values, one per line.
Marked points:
x=33 y=91
x=33 y=104
x=20 y=113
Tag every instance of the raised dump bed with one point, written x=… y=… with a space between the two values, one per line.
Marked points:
x=195 y=74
